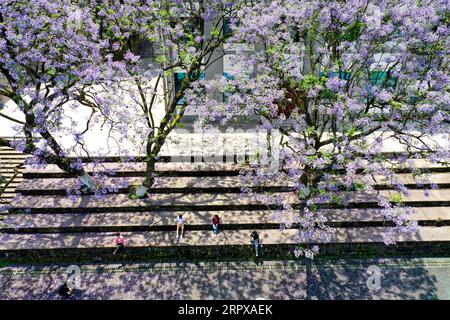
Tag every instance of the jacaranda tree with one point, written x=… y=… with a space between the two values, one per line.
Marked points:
x=83 y=55
x=184 y=43
x=339 y=80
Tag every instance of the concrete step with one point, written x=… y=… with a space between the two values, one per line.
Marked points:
x=14 y=242
x=9 y=171
x=165 y=220
x=6 y=149
x=160 y=182
x=10 y=162
x=130 y=169
x=10 y=152
x=59 y=186
x=14 y=157
x=14 y=183
x=209 y=201
x=19 y=176
x=11 y=165
x=137 y=169
x=8 y=195
x=121 y=202
x=58 y=227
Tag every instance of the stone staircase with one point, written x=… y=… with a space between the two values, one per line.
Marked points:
x=45 y=225
x=11 y=167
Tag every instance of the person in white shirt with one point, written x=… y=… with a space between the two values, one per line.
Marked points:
x=180 y=226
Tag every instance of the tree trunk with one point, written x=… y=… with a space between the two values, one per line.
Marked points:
x=150 y=173
x=310 y=178
x=153 y=148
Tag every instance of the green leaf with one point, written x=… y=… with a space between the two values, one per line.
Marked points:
x=215 y=32
x=397 y=198
x=310 y=81
x=396 y=105
x=161 y=59
x=52 y=71
x=350 y=131
x=359 y=186
x=353 y=31
x=311 y=130
x=338 y=200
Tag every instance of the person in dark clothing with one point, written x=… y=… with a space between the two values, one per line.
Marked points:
x=215 y=223
x=65 y=291
x=256 y=241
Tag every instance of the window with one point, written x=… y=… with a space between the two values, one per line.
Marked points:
x=226 y=93
x=378 y=78
x=227 y=31
x=295 y=34
x=146 y=49
x=179 y=77
x=343 y=75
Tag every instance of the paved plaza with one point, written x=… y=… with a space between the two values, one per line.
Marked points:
x=427 y=278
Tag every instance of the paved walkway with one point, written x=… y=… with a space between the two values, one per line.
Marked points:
x=343 y=279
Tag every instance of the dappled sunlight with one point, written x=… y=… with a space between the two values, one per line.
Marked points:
x=270 y=280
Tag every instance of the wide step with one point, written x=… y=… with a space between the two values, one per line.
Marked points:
x=44 y=221
x=118 y=202
x=166 y=219
x=137 y=169
x=60 y=186
x=206 y=238
x=186 y=167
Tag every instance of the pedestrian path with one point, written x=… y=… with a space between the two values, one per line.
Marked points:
x=400 y=279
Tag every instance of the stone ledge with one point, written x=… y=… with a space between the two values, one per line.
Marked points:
x=206 y=238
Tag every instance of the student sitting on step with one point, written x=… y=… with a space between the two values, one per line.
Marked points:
x=215 y=224
x=65 y=291
x=256 y=241
x=180 y=226
x=120 y=243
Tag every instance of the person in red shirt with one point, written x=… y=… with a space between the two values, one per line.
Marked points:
x=120 y=243
x=215 y=223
